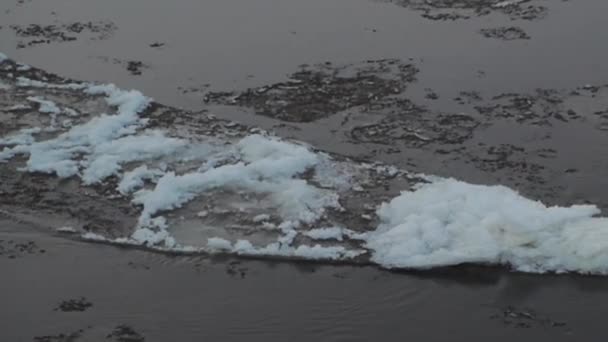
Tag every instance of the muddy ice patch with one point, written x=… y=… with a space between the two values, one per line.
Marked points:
x=13 y=249
x=505 y=33
x=321 y=90
x=74 y=305
x=466 y=9
x=133 y=67
x=74 y=336
x=125 y=333
x=415 y=126
x=547 y=107
x=36 y=34
x=526 y=318
x=119 y=333
x=406 y=123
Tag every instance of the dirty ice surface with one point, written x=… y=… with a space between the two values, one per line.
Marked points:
x=243 y=191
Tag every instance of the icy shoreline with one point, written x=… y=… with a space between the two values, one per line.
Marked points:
x=441 y=223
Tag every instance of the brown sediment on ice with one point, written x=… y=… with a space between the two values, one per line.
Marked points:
x=465 y=9
x=322 y=90
x=505 y=33
x=36 y=34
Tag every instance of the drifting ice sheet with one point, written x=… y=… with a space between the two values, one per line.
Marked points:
x=442 y=223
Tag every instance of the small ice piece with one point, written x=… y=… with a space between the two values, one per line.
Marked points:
x=45 y=106
x=70 y=111
x=94 y=237
x=366 y=217
x=66 y=229
x=261 y=218
x=135 y=178
x=351 y=234
x=2 y=57
x=24 y=137
x=269 y=225
x=318 y=252
x=332 y=233
x=18 y=107
x=389 y=171
x=218 y=244
x=151 y=237
x=202 y=213
x=23 y=67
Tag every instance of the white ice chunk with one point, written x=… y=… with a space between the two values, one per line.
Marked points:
x=261 y=218
x=332 y=233
x=219 y=244
x=46 y=106
x=135 y=178
x=316 y=252
x=24 y=137
x=449 y=222
x=507 y=3
x=108 y=156
x=268 y=166
x=70 y=112
x=66 y=229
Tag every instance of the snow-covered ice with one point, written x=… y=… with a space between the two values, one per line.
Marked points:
x=266 y=165
x=104 y=139
x=135 y=178
x=449 y=222
x=106 y=157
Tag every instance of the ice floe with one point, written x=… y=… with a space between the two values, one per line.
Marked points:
x=291 y=195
